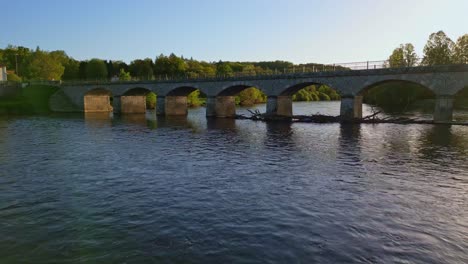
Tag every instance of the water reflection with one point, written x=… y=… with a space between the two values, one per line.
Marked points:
x=240 y=190
x=176 y=122
x=279 y=134
x=437 y=140
x=349 y=143
x=139 y=119
x=221 y=124
x=98 y=119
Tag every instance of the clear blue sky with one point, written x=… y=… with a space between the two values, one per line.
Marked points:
x=243 y=30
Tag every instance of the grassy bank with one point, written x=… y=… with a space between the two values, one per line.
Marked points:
x=33 y=100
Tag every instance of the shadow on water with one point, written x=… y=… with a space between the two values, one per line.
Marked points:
x=350 y=142
x=98 y=119
x=438 y=140
x=176 y=122
x=221 y=124
x=138 y=119
x=279 y=134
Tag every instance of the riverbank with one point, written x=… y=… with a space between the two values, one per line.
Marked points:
x=32 y=100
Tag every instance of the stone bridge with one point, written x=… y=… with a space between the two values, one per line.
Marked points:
x=129 y=97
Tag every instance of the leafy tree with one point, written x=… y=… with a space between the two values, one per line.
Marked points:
x=438 y=49
x=150 y=100
x=96 y=69
x=177 y=65
x=60 y=56
x=403 y=56
x=44 y=66
x=72 y=70
x=461 y=50
x=396 y=96
x=143 y=69
x=124 y=76
x=223 y=69
x=193 y=99
x=331 y=93
x=251 y=96
x=249 y=69
x=161 y=64
x=82 y=70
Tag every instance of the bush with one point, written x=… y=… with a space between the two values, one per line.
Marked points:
x=193 y=99
x=151 y=101
x=11 y=77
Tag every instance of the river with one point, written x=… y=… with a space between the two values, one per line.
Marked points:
x=141 y=189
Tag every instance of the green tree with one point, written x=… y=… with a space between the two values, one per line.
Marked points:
x=142 y=69
x=438 y=49
x=72 y=70
x=151 y=100
x=251 y=96
x=461 y=50
x=248 y=69
x=124 y=76
x=223 y=69
x=82 y=70
x=162 y=65
x=193 y=99
x=403 y=56
x=43 y=66
x=177 y=65
x=96 y=69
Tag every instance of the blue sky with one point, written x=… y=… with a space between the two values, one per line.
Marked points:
x=243 y=30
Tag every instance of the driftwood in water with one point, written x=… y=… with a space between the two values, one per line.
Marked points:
x=318 y=118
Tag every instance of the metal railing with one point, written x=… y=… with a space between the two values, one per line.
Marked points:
x=297 y=70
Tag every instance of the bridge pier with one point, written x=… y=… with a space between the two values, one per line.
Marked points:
x=161 y=105
x=221 y=106
x=97 y=103
x=116 y=104
x=443 y=108
x=132 y=104
x=171 y=105
x=279 y=105
x=351 y=107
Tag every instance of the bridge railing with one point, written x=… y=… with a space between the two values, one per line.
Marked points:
x=297 y=70
x=383 y=64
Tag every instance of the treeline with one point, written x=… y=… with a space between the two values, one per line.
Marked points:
x=439 y=50
x=27 y=64
x=38 y=64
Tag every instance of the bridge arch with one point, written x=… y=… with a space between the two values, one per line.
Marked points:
x=184 y=90
x=223 y=104
x=235 y=88
x=134 y=100
x=297 y=86
x=97 y=100
x=402 y=81
x=178 y=98
x=305 y=91
x=134 y=91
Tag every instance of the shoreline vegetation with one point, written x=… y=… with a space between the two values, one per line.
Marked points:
x=39 y=64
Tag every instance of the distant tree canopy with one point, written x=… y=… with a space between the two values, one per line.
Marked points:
x=43 y=66
x=124 y=76
x=96 y=69
x=142 y=69
x=37 y=64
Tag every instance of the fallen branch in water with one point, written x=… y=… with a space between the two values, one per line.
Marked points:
x=319 y=118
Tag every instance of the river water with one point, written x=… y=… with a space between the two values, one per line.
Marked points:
x=138 y=189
